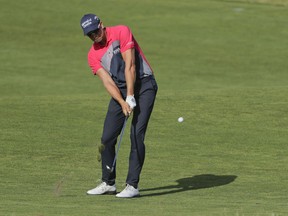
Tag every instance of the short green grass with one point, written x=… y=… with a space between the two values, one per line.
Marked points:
x=222 y=65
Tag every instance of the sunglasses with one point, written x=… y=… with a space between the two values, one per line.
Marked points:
x=95 y=32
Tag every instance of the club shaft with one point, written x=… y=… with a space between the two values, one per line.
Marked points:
x=119 y=143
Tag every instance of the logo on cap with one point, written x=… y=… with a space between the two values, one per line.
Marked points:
x=89 y=22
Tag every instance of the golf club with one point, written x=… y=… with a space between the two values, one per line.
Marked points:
x=111 y=169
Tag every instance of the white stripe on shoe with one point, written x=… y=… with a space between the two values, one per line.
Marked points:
x=103 y=188
x=129 y=192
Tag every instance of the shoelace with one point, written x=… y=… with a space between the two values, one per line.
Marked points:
x=130 y=188
x=103 y=184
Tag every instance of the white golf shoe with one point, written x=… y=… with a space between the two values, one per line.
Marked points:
x=129 y=192
x=103 y=188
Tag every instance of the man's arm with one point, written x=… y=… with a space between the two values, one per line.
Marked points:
x=113 y=90
x=130 y=75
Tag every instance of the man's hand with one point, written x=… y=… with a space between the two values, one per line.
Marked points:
x=126 y=108
x=131 y=101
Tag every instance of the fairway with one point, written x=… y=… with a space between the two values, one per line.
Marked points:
x=220 y=64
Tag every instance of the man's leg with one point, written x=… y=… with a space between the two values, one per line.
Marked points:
x=141 y=115
x=112 y=127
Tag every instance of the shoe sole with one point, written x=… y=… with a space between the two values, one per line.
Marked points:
x=129 y=197
x=106 y=193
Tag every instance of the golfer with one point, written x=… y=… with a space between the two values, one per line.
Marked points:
x=116 y=58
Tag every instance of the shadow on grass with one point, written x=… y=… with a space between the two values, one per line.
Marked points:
x=191 y=183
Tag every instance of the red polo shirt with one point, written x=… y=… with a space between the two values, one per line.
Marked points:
x=109 y=57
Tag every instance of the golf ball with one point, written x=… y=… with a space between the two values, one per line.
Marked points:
x=180 y=119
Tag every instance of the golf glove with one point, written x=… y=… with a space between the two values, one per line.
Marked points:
x=131 y=101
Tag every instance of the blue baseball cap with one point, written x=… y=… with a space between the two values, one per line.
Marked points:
x=89 y=22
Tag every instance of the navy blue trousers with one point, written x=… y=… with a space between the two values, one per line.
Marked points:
x=144 y=92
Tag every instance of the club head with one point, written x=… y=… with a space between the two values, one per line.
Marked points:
x=109 y=169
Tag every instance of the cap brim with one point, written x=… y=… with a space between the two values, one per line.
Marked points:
x=90 y=29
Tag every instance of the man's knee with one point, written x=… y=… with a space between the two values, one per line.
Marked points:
x=137 y=135
x=107 y=140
